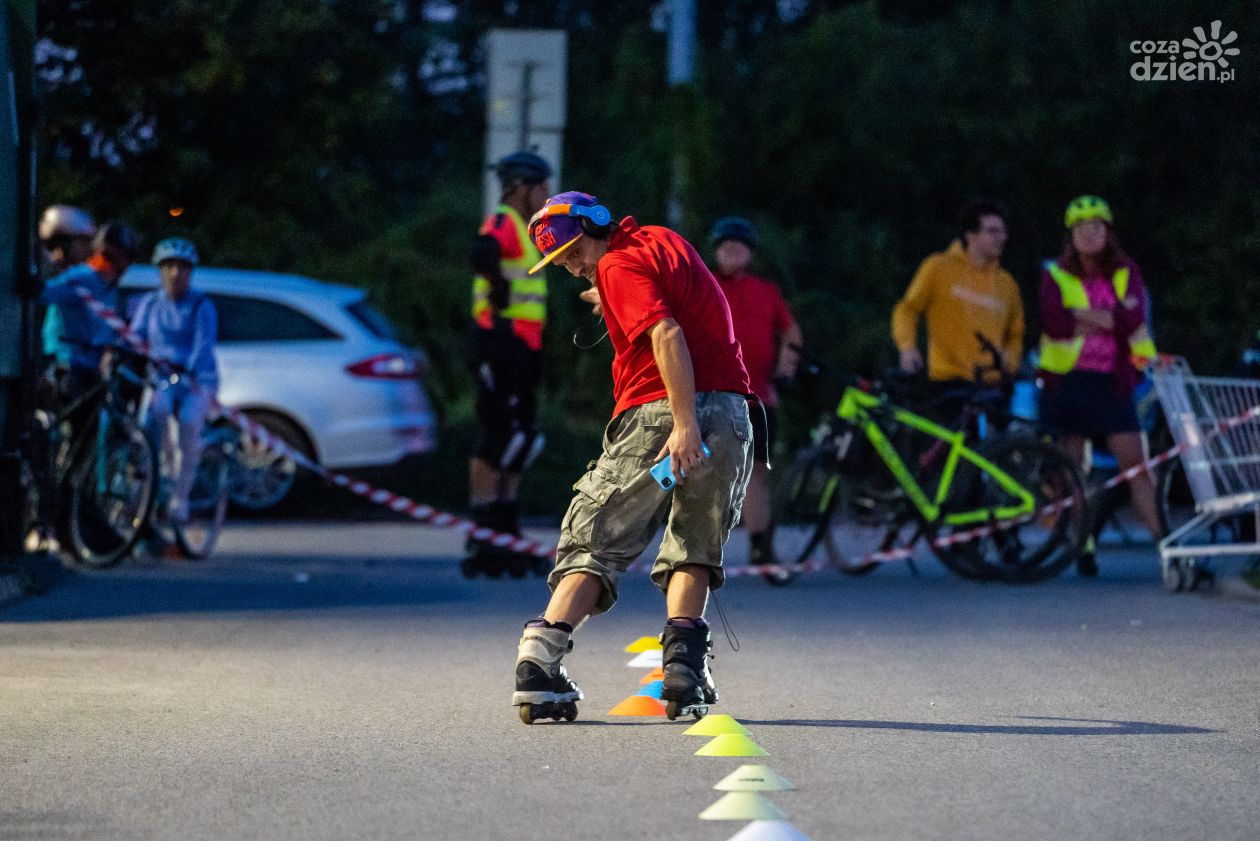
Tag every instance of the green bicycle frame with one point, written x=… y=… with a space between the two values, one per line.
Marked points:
x=857 y=407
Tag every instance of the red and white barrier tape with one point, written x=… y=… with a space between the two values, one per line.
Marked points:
x=395 y=502
x=980 y=532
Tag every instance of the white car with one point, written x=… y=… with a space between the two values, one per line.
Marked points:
x=315 y=363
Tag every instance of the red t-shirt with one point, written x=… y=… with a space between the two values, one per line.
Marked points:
x=760 y=316
x=653 y=273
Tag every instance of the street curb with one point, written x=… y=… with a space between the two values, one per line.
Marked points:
x=1234 y=587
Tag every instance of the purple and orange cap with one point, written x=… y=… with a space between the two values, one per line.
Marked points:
x=555 y=229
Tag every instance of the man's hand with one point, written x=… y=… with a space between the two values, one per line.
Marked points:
x=1092 y=321
x=911 y=360
x=591 y=296
x=683 y=446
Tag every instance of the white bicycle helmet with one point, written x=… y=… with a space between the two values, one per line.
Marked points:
x=67 y=221
x=175 y=248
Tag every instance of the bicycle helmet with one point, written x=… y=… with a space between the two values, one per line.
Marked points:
x=1085 y=208
x=733 y=227
x=522 y=168
x=66 y=221
x=119 y=236
x=175 y=248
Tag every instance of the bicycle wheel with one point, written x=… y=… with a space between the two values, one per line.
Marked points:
x=1040 y=547
x=816 y=506
x=207 y=501
x=799 y=509
x=111 y=488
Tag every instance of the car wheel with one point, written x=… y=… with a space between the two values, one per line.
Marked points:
x=260 y=478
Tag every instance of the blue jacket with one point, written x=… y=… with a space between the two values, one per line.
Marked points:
x=183 y=332
x=72 y=332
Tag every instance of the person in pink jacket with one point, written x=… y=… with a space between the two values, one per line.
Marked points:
x=1094 y=347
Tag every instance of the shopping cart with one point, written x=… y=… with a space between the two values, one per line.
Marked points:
x=1221 y=465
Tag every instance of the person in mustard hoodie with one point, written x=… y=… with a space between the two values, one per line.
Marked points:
x=961 y=292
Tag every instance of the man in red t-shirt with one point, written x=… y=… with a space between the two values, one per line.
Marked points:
x=679 y=384
x=766 y=332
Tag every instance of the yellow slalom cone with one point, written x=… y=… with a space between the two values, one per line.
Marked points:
x=639 y=705
x=716 y=725
x=643 y=644
x=655 y=674
x=732 y=744
x=769 y=831
x=742 y=806
x=754 y=778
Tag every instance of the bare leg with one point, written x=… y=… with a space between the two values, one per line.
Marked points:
x=688 y=592
x=483 y=482
x=1129 y=450
x=1074 y=447
x=574 y=599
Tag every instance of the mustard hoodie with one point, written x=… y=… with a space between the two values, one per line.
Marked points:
x=959 y=301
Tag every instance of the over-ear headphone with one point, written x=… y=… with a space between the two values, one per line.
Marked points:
x=595 y=220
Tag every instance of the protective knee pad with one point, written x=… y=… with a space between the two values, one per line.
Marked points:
x=521 y=450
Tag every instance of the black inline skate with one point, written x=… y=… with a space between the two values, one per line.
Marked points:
x=543 y=688
x=482 y=557
x=688 y=686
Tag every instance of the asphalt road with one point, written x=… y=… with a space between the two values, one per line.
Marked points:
x=343 y=682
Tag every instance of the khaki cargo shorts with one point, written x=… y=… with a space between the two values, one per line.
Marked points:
x=618 y=505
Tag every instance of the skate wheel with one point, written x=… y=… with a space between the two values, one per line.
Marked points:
x=1174 y=577
x=673 y=709
x=467 y=568
x=699 y=712
x=527 y=713
x=568 y=712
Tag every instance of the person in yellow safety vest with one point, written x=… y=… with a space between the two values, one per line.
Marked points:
x=1095 y=346
x=509 y=311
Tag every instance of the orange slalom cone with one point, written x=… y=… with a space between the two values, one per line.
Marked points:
x=654 y=675
x=639 y=706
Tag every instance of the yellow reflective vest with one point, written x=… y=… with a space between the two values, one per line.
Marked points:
x=527 y=300
x=1059 y=356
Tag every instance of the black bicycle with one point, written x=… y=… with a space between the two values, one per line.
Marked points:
x=94 y=473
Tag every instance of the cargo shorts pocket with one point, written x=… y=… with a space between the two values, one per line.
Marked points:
x=585 y=523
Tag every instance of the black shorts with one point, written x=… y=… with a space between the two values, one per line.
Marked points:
x=1089 y=404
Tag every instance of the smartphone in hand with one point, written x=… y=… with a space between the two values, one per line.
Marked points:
x=663 y=471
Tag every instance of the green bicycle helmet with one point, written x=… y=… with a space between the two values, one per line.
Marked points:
x=1085 y=208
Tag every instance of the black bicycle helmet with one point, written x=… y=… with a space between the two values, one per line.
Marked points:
x=522 y=168
x=733 y=227
x=117 y=235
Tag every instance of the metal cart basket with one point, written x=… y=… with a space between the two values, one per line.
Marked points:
x=1216 y=423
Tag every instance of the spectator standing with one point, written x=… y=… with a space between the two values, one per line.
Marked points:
x=961 y=292
x=679 y=385
x=766 y=331
x=1094 y=346
x=509 y=311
